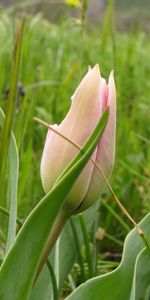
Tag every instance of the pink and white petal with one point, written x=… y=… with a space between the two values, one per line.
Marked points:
x=106 y=150
x=47 y=166
x=79 y=123
x=104 y=91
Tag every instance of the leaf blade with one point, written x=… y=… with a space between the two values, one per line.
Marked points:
x=105 y=287
x=13 y=182
x=4 y=146
x=18 y=271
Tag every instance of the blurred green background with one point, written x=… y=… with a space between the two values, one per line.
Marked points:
x=127 y=13
x=58 y=46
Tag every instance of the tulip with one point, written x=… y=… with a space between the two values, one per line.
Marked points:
x=89 y=101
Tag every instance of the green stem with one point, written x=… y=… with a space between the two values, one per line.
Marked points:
x=144 y=238
x=56 y=261
x=73 y=227
x=110 y=237
x=53 y=278
x=53 y=236
x=6 y=213
x=71 y=282
x=117 y=217
x=84 y=9
x=107 y=25
x=87 y=246
x=109 y=262
x=95 y=244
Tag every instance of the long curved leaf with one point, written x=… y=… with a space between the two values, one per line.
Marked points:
x=20 y=266
x=10 y=107
x=141 y=278
x=13 y=179
x=118 y=283
x=67 y=255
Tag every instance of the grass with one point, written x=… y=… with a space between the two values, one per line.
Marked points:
x=54 y=59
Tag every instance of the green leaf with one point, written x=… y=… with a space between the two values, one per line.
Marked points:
x=67 y=255
x=13 y=182
x=147 y=293
x=18 y=271
x=118 y=283
x=141 y=278
x=43 y=288
x=11 y=104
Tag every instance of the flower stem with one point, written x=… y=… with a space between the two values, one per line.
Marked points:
x=53 y=236
x=54 y=283
x=78 y=249
x=115 y=215
x=87 y=246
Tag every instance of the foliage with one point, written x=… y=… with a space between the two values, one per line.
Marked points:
x=54 y=59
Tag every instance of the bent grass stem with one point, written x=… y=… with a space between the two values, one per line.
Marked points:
x=123 y=209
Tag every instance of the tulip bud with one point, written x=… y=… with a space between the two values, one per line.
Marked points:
x=89 y=101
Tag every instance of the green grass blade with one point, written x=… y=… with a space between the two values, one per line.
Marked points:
x=13 y=182
x=54 y=282
x=78 y=248
x=18 y=271
x=89 y=254
x=107 y=25
x=10 y=109
x=6 y=213
x=14 y=172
